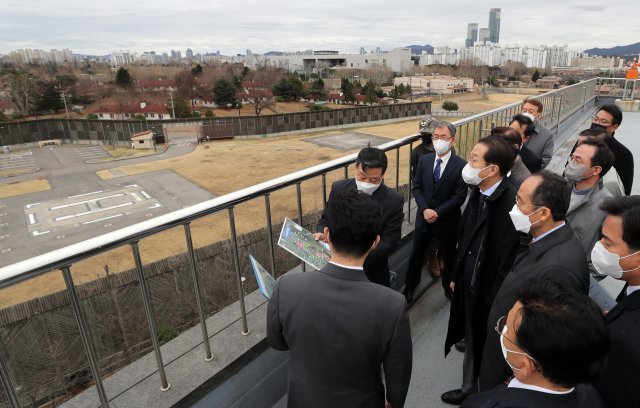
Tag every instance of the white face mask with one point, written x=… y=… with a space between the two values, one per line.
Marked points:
x=530 y=116
x=441 y=146
x=521 y=221
x=471 y=175
x=367 y=188
x=607 y=263
x=505 y=350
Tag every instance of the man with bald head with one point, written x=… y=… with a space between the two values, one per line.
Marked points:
x=550 y=250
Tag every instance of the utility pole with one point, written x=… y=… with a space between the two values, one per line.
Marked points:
x=173 y=109
x=64 y=99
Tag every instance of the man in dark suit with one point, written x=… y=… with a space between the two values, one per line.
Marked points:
x=617 y=255
x=541 y=141
x=487 y=246
x=342 y=330
x=370 y=167
x=552 y=253
x=553 y=341
x=439 y=192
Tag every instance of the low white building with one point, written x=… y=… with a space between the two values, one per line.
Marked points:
x=397 y=60
x=435 y=84
x=142 y=140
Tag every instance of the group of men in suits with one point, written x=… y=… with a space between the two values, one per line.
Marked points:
x=344 y=323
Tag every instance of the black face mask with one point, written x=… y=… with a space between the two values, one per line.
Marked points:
x=426 y=139
x=597 y=126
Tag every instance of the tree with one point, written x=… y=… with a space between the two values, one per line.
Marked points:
x=197 y=70
x=123 y=78
x=24 y=92
x=290 y=88
x=257 y=98
x=348 y=92
x=50 y=98
x=224 y=93
x=139 y=116
x=209 y=113
x=535 y=76
x=187 y=85
x=317 y=90
x=449 y=106
x=181 y=107
x=369 y=91
x=92 y=116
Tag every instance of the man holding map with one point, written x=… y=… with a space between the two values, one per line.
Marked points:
x=370 y=167
x=340 y=328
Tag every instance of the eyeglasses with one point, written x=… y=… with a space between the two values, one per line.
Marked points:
x=473 y=160
x=603 y=122
x=500 y=327
x=527 y=205
x=441 y=137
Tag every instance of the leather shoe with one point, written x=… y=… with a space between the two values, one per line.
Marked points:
x=454 y=397
x=461 y=346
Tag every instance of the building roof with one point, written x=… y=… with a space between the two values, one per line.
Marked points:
x=134 y=109
x=146 y=135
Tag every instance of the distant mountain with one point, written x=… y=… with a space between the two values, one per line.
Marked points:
x=631 y=49
x=417 y=49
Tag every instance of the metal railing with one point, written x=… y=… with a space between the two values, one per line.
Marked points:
x=558 y=105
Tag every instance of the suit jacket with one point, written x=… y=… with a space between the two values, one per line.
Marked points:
x=498 y=249
x=376 y=265
x=623 y=163
x=444 y=197
x=620 y=380
x=583 y=396
x=340 y=328
x=417 y=153
x=558 y=256
x=519 y=173
x=532 y=161
x=541 y=143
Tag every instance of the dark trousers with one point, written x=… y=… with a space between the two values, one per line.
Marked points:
x=446 y=249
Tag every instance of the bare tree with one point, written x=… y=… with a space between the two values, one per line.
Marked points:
x=24 y=91
x=258 y=99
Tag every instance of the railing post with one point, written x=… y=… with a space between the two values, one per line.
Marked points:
x=324 y=190
x=410 y=182
x=346 y=171
x=196 y=287
x=7 y=383
x=272 y=254
x=236 y=261
x=633 y=90
x=85 y=335
x=559 y=113
x=299 y=200
x=479 y=132
x=584 y=98
x=148 y=308
x=398 y=169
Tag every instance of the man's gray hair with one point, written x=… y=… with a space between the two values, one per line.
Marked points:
x=442 y=123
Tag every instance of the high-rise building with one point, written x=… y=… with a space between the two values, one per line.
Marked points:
x=472 y=35
x=494 y=25
x=484 y=35
x=189 y=54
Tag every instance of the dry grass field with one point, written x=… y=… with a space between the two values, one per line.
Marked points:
x=23 y=187
x=227 y=166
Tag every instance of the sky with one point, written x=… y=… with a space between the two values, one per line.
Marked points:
x=102 y=27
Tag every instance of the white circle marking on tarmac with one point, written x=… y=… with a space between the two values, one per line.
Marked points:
x=60 y=236
x=107 y=225
x=4 y=236
x=4 y=251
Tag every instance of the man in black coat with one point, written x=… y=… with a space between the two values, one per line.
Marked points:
x=370 y=167
x=617 y=254
x=554 y=341
x=439 y=192
x=487 y=246
x=343 y=331
x=552 y=253
x=423 y=148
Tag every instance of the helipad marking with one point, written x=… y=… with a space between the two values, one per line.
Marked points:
x=132 y=185
x=155 y=206
x=57 y=207
x=66 y=217
x=86 y=194
x=144 y=193
x=32 y=219
x=31 y=205
x=36 y=233
x=103 y=219
x=137 y=197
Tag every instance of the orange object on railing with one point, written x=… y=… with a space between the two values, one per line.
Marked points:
x=632 y=69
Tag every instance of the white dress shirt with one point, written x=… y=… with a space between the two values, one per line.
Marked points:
x=517 y=384
x=445 y=160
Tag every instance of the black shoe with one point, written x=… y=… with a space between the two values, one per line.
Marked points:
x=454 y=397
x=461 y=346
x=408 y=294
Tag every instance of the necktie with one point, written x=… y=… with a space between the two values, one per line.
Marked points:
x=481 y=201
x=436 y=171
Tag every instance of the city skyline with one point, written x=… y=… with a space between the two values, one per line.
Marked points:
x=234 y=27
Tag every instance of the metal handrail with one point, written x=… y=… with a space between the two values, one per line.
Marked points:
x=62 y=259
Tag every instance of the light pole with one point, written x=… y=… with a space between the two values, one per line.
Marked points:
x=173 y=109
x=64 y=99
